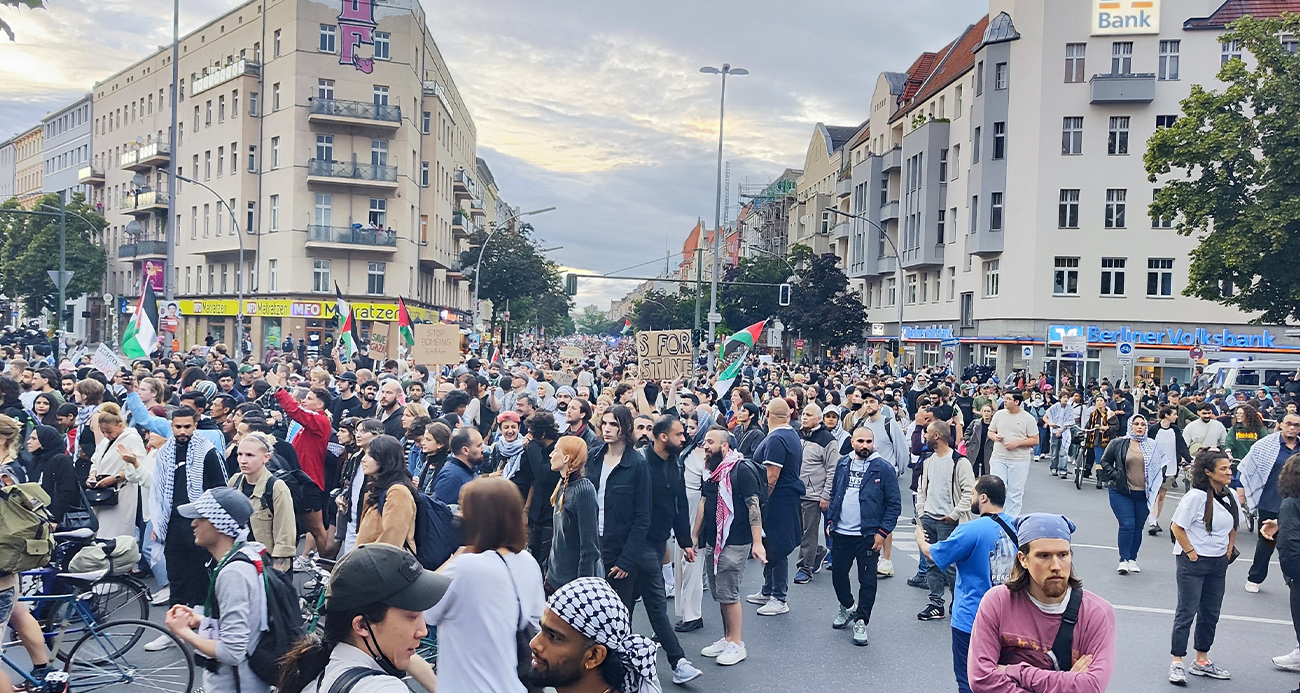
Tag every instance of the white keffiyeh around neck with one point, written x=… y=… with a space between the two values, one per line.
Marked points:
x=164 y=472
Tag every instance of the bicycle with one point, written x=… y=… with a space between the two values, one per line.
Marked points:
x=1079 y=455
x=312 y=600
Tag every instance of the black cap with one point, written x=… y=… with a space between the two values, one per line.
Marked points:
x=348 y=376
x=382 y=574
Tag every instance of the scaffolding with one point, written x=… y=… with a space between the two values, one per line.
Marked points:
x=764 y=229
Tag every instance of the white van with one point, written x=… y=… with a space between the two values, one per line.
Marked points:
x=1247 y=376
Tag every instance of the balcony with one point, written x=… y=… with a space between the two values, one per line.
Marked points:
x=1134 y=87
x=355 y=237
x=367 y=176
x=146 y=157
x=89 y=175
x=887 y=265
x=146 y=202
x=354 y=113
x=889 y=211
x=844 y=185
x=142 y=249
x=455 y=272
x=891 y=160
x=463 y=185
x=840 y=230
x=476 y=210
x=923 y=256
x=216 y=78
x=459 y=228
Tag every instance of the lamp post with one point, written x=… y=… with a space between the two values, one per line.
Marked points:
x=239 y=274
x=478 y=265
x=726 y=69
x=898 y=269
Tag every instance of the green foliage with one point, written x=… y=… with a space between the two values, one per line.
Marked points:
x=29 y=248
x=512 y=268
x=742 y=306
x=821 y=306
x=592 y=320
x=31 y=4
x=659 y=310
x=1237 y=157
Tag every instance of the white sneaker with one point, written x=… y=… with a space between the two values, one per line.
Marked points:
x=715 y=649
x=162 y=596
x=159 y=643
x=885 y=567
x=1133 y=567
x=1289 y=661
x=1123 y=568
x=757 y=598
x=1252 y=587
x=773 y=607
x=685 y=671
x=734 y=653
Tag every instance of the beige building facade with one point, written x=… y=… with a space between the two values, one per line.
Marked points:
x=29 y=166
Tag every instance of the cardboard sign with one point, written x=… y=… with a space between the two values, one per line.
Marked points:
x=663 y=354
x=436 y=344
x=378 y=345
x=570 y=353
x=105 y=360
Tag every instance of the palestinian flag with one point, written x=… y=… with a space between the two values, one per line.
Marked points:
x=627 y=327
x=141 y=336
x=731 y=356
x=349 y=336
x=404 y=328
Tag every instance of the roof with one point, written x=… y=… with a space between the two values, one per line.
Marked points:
x=917 y=73
x=897 y=80
x=484 y=171
x=1233 y=10
x=958 y=59
x=838 y=135
x=1000 y=30
x=863 y=134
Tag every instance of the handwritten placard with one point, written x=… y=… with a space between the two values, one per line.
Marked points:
x=436 y=344
x=570 y=353
x=105 y=360
x=664 y=354
x=378 y=345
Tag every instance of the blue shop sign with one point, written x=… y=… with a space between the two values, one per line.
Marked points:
x=1187 y=337
x=931 y=332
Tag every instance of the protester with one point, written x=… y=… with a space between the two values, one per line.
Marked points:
x=1014 y=434
x=575 y=547
x=942 y=503
x=781 y=454
x=1259 y=472
x=1133 y=470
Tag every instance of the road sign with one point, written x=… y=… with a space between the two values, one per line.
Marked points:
x=1124 y=350
x=1074 y=343
x=715 y=317
x=1027 y=352
x=870 y=351
x=1196 y=353
x=1210 y=348
x=60 y=279
x=877 y=329
x=798 y=343
x=948 y=356
x=950 y=342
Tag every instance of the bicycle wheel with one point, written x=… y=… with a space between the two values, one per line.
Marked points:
x=113 y=598
x=112 y=657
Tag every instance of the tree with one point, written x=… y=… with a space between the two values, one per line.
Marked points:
x=660 y=310
x=32 y=4
x=1238 y=155
x=512 y=268
x=821 y=307
x=742 y=306
x=592 y=320
x=29 y=249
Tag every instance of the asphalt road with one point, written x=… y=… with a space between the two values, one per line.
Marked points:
x=800 y=651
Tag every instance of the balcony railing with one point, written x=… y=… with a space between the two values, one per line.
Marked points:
x=358 y=110
x=1129 y=87
x=892 y=159
x=352 y=170
x=352 y=235
x=146 y=201
x=463 y=185
x=90 y=175
x=142 y=248
x=147 y=156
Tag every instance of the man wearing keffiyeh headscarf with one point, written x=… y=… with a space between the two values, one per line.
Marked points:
x=586 y=644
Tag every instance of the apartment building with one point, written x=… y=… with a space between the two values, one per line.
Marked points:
x=66 y=147
x=332 y=148
x=28 y=166
x=826 y=178
x=1007 y=170
x=8 y=154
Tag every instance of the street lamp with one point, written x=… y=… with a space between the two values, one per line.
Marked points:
x=794 y=274
x=240 y=273
x=898 y=269
x=478 y=266
x=727 y=69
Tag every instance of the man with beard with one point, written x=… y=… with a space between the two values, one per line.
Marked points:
x=390 y=408
x=346 y=404
x=368 y=407
x=642 y=426
x=577 y=419
x=586 y=644
x=891 y=444
x=467 y=453
x=1027 y=631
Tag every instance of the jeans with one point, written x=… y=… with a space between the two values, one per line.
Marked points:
x=960 y=654
x=1059 y=455
x=776 y=577
x=154 y=556
x=811 y=552
x=1263 y=551
x=846 y=549
x=1130 y=508
x=1200 y=596
x=937 y=580
x=646 y=580
x=1013 y=474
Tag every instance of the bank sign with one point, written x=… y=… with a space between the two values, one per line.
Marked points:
x=1175 y=337
x=1114 y=17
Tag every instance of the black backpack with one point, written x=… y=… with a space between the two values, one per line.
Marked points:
x=297 y=481
x=759 y=475
x=283 y=620
x=437 y=533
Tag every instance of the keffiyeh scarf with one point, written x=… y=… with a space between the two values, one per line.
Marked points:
x=164 y=469
x=592 y=607
x=726 y=502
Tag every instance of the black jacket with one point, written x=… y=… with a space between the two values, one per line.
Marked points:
x=57 y=478
x=669 y=512
x=393 y=423
x=535 y=474
x=627 y=506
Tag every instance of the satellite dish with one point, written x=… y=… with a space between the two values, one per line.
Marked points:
x=139 y=140
x=133 y=229
x=139 y=181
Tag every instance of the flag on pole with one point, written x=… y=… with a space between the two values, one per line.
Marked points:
x=349 y=336
x=627 y=327
x=404 y=323
x=141 y=335
x=731 y=357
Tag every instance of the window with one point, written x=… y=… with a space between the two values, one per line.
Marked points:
x=975 y=146
x=956 y=162
x=324 y=147
x=1000 y=76
x=252 y=158
x=249 y=222
x=1169 y=60
x=252 y=103
x=1112 y=276
x=275 y=44
x=967 y=309
x=1158 y=222
x=1228 y=51
x=375 y=278
x=952 y=283
x=1072 y=135
x=324 y=209
x=426 y=122
x=275 y=97
x=221 y=161
x=957 y=101
x=194 y=223
x=1165 y=121
x=275 y=213
x=221 y=109
x=943 y=165
x=1068 y=209
x=884 y=190
x=378 y=152
x=939 y=223
x=1065 y=280
x=320 y=276
x=207 y=220
x=979 y=78
x=220 y=210
x=327 y=38
x=275 y=152
x=273 y=274
x=995 y=211
x=911 y=289
x=1289 y=45
x=212 y=279
x=1117 y=140
x=189 y=276
x=1115 y=205
x=1121 y=57
x=999 y=140
x=381 y=95
x=324 y=89
x=196 y=118
x=891 y=291
x=975 y=214
x=234 y=104
x=207 y=165
x=1160 y=276
x=991 y=281
x=378 y=211
x=424 y=174
x=382 y=40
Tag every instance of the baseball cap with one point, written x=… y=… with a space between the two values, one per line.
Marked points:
x=382 y=574
x=348 y=376
x=226 y=508
x=245 y=368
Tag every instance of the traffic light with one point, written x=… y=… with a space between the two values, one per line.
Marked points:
x=571 y=284
x=783 y=295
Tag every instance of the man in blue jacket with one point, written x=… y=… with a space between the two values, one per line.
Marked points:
x=865 y=505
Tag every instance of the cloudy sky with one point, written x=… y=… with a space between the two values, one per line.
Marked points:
x=595 y=108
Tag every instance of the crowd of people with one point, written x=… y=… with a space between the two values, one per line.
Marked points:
x=520 y=509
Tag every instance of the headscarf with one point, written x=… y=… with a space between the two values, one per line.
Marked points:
x=1043 y=526
x=51 y=440
x=592 y=607
x=1131 y=435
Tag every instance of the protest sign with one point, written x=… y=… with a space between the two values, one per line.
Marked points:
x=436 y=344
x=663 y=354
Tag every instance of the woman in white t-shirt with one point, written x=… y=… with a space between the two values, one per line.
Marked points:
x=1205 y=529
x=496 y=586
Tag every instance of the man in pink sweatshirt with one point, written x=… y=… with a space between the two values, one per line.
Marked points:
x=1017 y=644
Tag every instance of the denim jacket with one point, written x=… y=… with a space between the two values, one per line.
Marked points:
x=879 y=498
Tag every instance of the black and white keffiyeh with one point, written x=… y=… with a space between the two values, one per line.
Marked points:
x=592 y=607
x=217 y=515
x=164 y=466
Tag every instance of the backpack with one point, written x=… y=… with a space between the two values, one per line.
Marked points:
x=283 y=620
x=25 y=536
x=297 y=481
x=437 y=534
x=759 y=476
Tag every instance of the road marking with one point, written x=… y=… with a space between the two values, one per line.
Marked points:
x=1229 y=617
